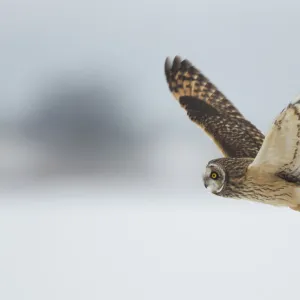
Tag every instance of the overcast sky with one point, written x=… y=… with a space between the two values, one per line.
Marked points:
x=250 y=50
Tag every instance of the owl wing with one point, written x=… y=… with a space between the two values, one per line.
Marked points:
x=280 y=152
x=211 y=110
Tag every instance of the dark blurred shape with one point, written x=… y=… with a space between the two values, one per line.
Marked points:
x=83 y=126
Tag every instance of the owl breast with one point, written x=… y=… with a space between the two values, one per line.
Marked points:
x=260 y=186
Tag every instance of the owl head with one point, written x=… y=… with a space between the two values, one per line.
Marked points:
x=223 y=174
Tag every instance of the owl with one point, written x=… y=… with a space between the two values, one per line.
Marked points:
x=254 y=167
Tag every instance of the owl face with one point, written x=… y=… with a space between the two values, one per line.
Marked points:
x=214 y=178
x=225 y=176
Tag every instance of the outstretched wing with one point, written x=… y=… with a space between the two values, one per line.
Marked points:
x=211 y=110
x=280 y=152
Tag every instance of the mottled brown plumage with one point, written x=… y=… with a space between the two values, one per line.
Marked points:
x=211 y=110
x=255 y=184
x=257 y=168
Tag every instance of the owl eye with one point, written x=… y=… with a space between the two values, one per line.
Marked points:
x=214 y=175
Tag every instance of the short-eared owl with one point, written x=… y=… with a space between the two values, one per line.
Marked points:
x=256 y=168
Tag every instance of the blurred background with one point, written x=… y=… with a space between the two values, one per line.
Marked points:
x=101 y=192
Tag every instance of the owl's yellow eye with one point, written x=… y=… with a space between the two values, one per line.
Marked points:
x=214 y=175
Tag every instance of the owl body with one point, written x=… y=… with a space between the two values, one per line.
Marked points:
x=240 y=180
x=255 y=167
x=263 y=186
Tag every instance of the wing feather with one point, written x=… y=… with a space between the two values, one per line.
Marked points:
x=209 y=108
x=280 y=152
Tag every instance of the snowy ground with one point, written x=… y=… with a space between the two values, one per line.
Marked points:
x=148 y=250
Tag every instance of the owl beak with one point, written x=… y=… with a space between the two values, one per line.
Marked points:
x=203 y=179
